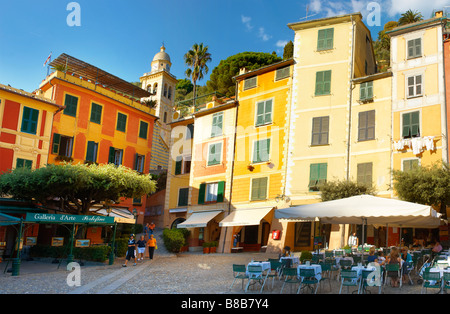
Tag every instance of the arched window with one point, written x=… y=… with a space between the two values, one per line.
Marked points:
x=165 y=117
x=170 y=93
x=149 y=88
x=155 y=88
x=165 y=90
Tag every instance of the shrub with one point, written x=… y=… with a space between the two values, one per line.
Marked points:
x=94 y=253
x=305 y=255
x=173 y=239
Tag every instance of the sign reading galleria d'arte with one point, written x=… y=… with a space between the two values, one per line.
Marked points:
x=34 y=217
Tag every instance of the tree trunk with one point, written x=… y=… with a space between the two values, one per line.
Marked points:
x=195 y=91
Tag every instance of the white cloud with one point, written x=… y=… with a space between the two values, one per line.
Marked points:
x=281 y=43
x=262 y=34
x=246 y=21
x=315 y=6
x=424 y=7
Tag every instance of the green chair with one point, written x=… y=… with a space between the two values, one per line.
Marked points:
x=357 y=259
x=431 y=280
x=316 y=258
x=393 y=270
x=239 y=272
x=255 y=274
x=333 y=268
x=350 y=278
x=446 y=279
x=308 y=279
x=275 y=267
x=290 y=277
x=326 y=273
x=370 y=279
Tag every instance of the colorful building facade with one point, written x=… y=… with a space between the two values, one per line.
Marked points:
x=103 y=121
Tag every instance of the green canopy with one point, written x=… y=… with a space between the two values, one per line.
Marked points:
x=7 y=220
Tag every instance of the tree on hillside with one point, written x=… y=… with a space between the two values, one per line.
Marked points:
x=221 y=78
x=288 y=50
x=196 y=59
x=410 y=17
x=382 y=47
x=425 y=185
x=334 y=190
x=183 y=87
x=75 y=188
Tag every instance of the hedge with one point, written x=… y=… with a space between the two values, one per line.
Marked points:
x=94 y=253
x=174 y=239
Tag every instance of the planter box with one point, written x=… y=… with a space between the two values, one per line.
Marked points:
x=206 y=250
x=212 y=249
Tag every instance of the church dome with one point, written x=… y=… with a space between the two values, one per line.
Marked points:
x=162 y=55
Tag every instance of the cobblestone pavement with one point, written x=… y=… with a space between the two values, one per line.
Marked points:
x=186 y=273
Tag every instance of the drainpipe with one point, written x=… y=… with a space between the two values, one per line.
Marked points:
x=445 y=128
x=350 y=89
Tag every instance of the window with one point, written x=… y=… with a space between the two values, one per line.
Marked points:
x=165 y=117
x=183 y=197
x=317 y=176
x=414 y=48
x=366 y=91
x=320 y=131
x=165 y=90
x=325 y=39
x=261 y=150
x=29 y=120
x=323 y=83
x=215 y=154
x=182 y=165
x=143 y=130
x=259 y=189
x=115 y=156
x=414 y=86
x=190 y=131
x=178 y=165
x=411 y=124
x=169 y=94
x=282 y=73
x=24 y=163
x=364 y=174
x=217 y=124
x=91 y=151
x=62 y=145
x=96 y=113
x=71 y=103
x=139 y=163
x=211 y=192
x=264 y=112
x=409 y=164
x=250 y=83
x=121 y=122
x=137 y=201
x=187 y=164
x=366 y=127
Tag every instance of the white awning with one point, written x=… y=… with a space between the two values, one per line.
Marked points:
x=199 y=219
x=122 y=216
x=245 y=217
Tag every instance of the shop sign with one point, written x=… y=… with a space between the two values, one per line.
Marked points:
x=77 y=219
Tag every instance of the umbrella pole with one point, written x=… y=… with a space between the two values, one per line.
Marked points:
x=387 y=235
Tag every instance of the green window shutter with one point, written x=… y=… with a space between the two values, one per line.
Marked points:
x=220 y=191
x=28 y=164
x=366 y=127
x=201 y=193
x=183 y=197
x=121 y=122
x=20 y=163
x=317 y=175
x=410 y=164
x=366 y=91
x=260 y=113
x=190 y=131
x=96 y=113
x=259 y=189
x=215 y=154
x=261 y=151
x=325 y=39
x=268 y=111
x=143 y=130
x=323 y=83
x=112 y=153
x=71 y=104
x=323 y=173
x=91 y=151
x=56 y=143
x=30 y=118
x=217 y=124
x=415 y=124
x=264 y=112
x=178 y=165
x=364 y=173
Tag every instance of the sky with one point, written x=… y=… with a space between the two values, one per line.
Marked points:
x=122 y=37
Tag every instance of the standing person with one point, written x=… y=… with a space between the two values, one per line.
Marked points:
x=146 y=230
x=131 y=250
x=152 y=227
x=353 y=240
x=141 y=248
x=151 y=243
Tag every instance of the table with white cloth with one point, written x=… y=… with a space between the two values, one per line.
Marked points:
x=317 y=270
x=441 y=271
x=265 y=266
x=344 y=258
x=294 y=259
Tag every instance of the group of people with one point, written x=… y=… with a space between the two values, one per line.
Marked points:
x=140 y=245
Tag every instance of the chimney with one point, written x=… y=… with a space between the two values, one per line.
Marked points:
x=242 y=70
x=439 y=14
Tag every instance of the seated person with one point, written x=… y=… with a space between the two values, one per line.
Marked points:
x=372 y=258
x=437 y=248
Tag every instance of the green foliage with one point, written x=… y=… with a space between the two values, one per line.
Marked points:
x=305 y=256
x=94 y=253
x=425 y=185
x=196 y=59
x=334 y=190
x=173 y=239
x=221 y=78
x=288 y=50
x=382 y=47
x=122 y=246
x=410 y=17
x=78 y=187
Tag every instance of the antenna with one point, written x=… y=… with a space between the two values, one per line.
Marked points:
x=307 y=11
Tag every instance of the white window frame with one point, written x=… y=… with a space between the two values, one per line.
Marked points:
x=408 y=159
x=211 y=192
x=209 y=150
x=254 y=150
x=271 y=113
x=267 y=188
x=414 y=76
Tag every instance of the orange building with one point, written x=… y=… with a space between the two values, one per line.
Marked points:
x=103 y=120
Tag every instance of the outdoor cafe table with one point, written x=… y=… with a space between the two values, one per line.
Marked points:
x=294 y=259
x=265 y=266
x=441 y=271
x=317 y=270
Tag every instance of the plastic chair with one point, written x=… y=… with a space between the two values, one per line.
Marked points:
x=275 y=267
x=308 y=278
x=431 y=280
x=239 y=272
x=326 y=273
x=369 y=279
x=357 y=259
x=446 y=279
x=291 y=277
x=255 y=273
x=408 y=267
x=350 y=278
x=333 y=268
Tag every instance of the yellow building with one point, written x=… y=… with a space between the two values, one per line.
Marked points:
x=259 y=172
x=329 y=54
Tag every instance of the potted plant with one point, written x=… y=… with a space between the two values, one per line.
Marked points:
x=213 y=247
x=250 y=167
x=206 y=248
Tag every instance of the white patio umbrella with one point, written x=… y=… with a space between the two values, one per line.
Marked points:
x=366 y=209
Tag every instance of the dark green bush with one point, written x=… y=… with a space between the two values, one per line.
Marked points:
x=94 y=253
x=173 y=239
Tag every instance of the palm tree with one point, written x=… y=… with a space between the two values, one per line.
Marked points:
x=196 y=59
x=410 y=17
